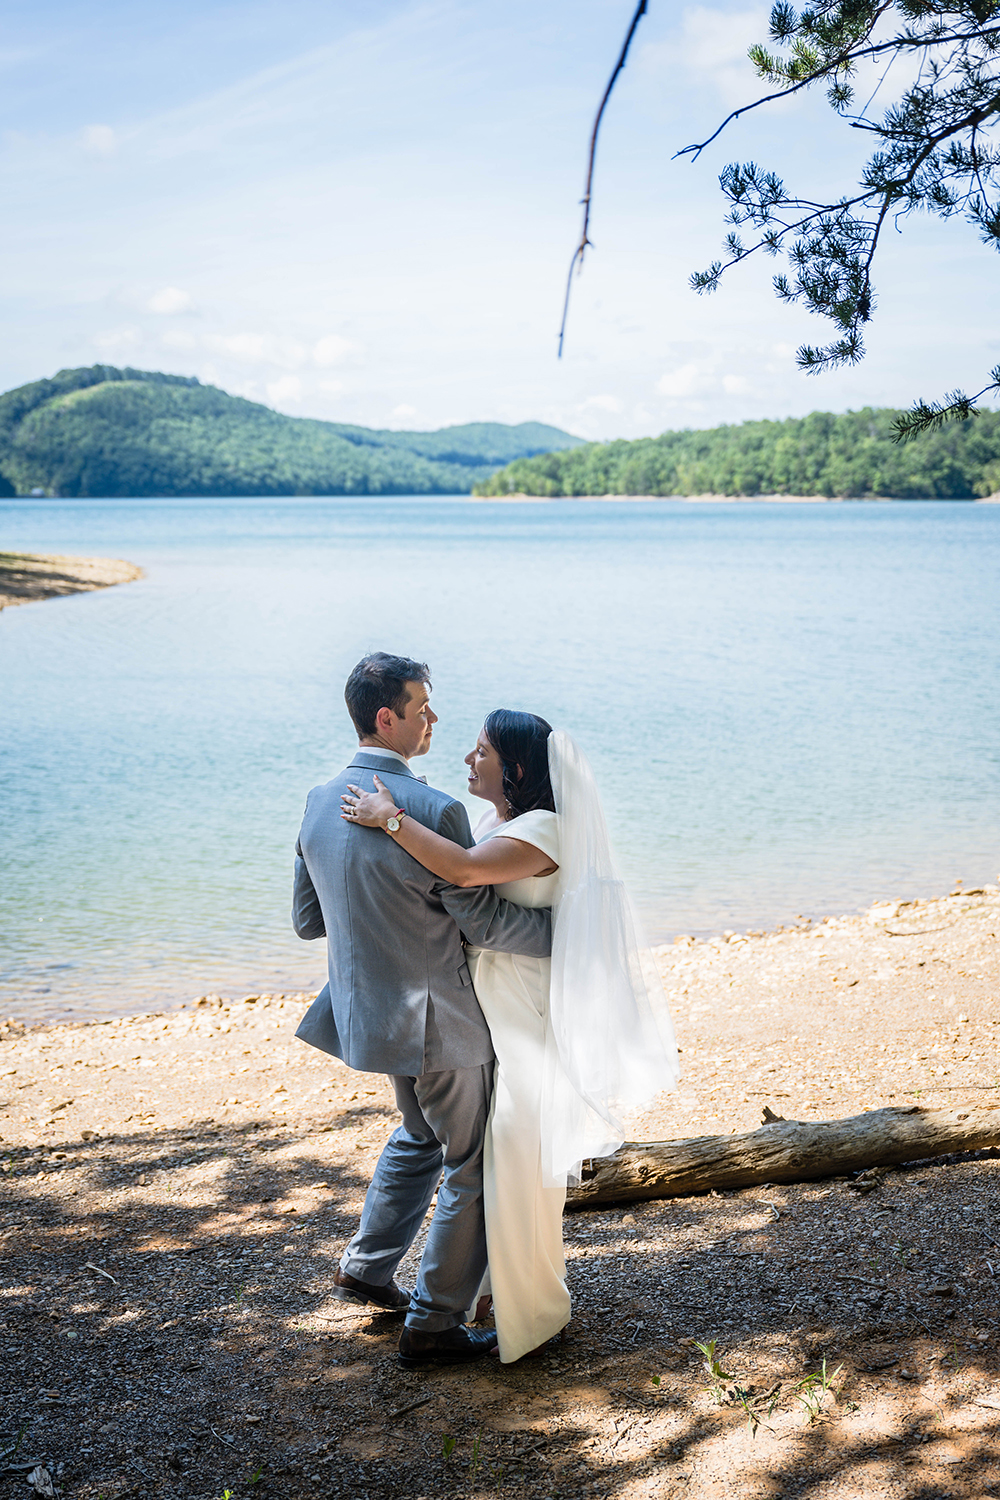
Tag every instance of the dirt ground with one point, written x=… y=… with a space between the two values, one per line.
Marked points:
x=26 y=577
x=177 y=1190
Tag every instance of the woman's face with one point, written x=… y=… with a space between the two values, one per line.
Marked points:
x=485 y=772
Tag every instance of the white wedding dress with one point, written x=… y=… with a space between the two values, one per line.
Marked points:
x=580 y=1038
x=527 y=1271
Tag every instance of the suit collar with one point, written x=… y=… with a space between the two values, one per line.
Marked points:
x=379 y=760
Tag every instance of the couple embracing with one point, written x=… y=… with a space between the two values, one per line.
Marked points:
x=498 y=980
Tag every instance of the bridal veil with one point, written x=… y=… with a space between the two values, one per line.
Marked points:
x=609 y=1042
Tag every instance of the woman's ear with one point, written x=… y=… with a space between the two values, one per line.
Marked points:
x=520 y=774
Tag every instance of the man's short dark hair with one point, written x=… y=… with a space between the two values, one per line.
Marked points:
x=379 y=681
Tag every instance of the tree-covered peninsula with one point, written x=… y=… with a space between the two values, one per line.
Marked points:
x=848 y=456
x=102 y=431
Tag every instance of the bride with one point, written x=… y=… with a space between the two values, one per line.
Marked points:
x=578 y=1037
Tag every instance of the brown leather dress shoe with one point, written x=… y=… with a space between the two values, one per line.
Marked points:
x=390 y=1298
x=452 y=1346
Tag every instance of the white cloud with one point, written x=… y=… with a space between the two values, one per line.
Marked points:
x=242 y=345
x=712 y=46
x=329 y=350
x=247 y=388
x=604 y=403
x=702 y=378
x=403 y=412
x=99 y=140
x=332 y=387
x=287 y=388
x=170 y=299
x=114 y=339
x=178 y=338
x=260 y=348
x=686 y=380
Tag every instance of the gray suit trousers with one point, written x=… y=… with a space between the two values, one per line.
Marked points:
x=444 y=1123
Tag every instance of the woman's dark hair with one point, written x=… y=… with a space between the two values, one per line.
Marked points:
x=379 y=681
x=521 y=741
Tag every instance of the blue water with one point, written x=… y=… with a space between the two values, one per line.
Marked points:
x=792 y=709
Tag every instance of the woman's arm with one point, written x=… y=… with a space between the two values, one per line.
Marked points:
x=497 y=860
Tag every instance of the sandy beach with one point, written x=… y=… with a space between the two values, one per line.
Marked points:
x=178 y=1189
x=27 y=577
x=520 y=498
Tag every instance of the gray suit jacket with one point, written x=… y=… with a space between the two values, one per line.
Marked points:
x=400 y=996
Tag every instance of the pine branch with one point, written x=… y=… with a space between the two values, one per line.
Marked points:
x=844 y=62
x=925 y=416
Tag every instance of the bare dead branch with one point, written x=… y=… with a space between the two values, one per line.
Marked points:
x=580 y=250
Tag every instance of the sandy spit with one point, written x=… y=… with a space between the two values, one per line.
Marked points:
x=26 y=577
x=177 y=1190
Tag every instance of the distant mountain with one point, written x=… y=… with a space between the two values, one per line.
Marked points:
x=104 y=431
x=848 y=455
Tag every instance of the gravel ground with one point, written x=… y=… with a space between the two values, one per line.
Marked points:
x=177 y=1190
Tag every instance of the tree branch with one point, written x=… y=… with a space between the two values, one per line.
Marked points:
x=957 y=406
x=580 y=250
x=842 y=61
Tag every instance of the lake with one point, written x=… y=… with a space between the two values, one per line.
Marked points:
x=792 y=709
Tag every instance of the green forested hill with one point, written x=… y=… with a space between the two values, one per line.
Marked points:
x=104 y=431
x=822 y=454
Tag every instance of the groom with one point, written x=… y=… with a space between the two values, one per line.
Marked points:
x=400 y=1001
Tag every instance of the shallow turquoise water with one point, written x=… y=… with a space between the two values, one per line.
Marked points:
x=791 y=709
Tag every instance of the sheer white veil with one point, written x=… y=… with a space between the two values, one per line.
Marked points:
x=609 y=1040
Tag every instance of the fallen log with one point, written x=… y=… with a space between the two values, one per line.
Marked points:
x=783 y=1151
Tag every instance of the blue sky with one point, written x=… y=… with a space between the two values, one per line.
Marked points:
x=365 y=213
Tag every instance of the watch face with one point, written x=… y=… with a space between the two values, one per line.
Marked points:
x=393 y=823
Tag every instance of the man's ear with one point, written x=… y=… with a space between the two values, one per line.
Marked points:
x=384 y=719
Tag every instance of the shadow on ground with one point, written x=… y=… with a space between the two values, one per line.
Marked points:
x=168 y=1330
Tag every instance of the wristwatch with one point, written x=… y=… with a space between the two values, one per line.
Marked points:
x=392 y=826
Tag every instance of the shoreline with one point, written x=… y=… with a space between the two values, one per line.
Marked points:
x=676 y=958
x=713 y=941
x=29 y=577
x=176 y=998
x=519 y=498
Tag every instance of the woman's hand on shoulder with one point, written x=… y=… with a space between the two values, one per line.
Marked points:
x=370 y=809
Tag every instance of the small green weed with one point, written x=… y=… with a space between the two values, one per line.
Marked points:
x=8 y=1453
x=712 y=1365
x=812 y=1391
x=718 y=1389
x=716 y=1374
x=478 y=1463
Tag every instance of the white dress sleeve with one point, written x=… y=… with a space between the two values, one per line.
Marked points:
x=538 y=828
